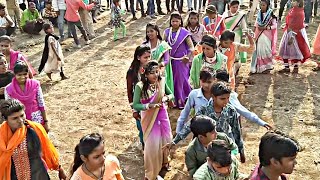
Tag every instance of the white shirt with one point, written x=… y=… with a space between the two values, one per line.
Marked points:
x=4 y=22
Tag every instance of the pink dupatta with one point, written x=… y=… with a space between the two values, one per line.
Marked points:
x=28 y=97
x=17 y=56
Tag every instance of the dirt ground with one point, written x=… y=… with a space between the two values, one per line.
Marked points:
x=94 y=100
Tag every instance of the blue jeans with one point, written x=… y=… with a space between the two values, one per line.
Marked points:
x=138 y=123
x=151 y=7
x=307 y=10
x=219 y=5
x=61 y=23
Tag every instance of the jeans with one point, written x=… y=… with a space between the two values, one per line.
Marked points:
x=7 y=31
x=62 y=12
x=307 y=10
x=138 y=123
x=72 y=27
x=151 y=7
x=132 y=7
x=219 y=5
x=189 y=2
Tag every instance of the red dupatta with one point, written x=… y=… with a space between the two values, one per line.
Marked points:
x=295 y=19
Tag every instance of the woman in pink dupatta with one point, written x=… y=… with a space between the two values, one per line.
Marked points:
x=13 y=56
x=266 y=39
x=150 y=96
x=29 y=93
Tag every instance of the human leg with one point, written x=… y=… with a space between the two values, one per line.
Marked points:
x=133 y=12
x=10 y=30
x=61 y=23
x=83 y=32
x=72 y=28
x=37 y=27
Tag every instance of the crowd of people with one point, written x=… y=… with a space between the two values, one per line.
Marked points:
x=192 y=68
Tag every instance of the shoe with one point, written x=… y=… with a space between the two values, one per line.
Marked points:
x=88 y=42
x=143 y=15
x=161 y=13
x=153 y=16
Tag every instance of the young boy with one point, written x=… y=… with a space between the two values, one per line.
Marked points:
x=52 y=56
x=214 y=22
x=197 y=97
x=277 y=155
x=204 y=130
x=221 y=164
x=7 y=25
x=50 y=14
x=5 y=75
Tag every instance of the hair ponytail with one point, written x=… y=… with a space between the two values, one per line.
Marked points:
x=77 y=161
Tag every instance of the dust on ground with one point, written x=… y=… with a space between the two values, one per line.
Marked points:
x=94 y=100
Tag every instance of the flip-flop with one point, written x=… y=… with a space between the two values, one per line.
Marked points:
x=285 y=70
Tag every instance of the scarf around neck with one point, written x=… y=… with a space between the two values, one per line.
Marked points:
x=265 y=18
x=45 y=53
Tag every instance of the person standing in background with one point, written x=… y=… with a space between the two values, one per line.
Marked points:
x=14 y=11
x=60 y=7
x=86 y=20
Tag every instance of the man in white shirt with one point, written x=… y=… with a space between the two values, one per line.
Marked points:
x=7 y=26
x=60 y=7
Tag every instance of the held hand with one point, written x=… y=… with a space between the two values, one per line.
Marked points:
x=136 y=115
x=185 y=59
x=2 y=90
x=155 y=105
x=62 y=174
x=268 y=127
x=165 y=99
x=168 y=146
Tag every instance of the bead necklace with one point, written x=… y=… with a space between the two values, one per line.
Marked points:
x=172 y=41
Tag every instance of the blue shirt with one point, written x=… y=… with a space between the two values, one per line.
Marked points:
x=195 y=100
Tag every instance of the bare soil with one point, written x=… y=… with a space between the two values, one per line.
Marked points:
x=94 y=100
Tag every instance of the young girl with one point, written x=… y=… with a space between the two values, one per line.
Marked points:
x=90 y=161
x=180 y=41
x=210 y=57
x=294 y=46
x=13 y=56
x=150 y=96
x=141 y=58
x=266 y=39
x=230 y=49
x=29 y=93
x=236 y=21
x=5 y=75
x=52 y=57
x=116 y=20
x=196 y=29
x=316 y=50
x=160 y=52
x=214 y=22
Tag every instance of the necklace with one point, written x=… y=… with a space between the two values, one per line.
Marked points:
x=101 y=172
x=195 y=30
x=172 y=41
x=153 y=87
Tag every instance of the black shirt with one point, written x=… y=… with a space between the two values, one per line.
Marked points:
x=5 y=79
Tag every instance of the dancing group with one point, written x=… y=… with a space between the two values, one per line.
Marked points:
x=192 y=68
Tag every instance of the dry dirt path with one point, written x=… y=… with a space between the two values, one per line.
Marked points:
x=94 y=100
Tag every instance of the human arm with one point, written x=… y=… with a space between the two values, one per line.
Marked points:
x=137 y=105
x=233 y=100
x=24 y=18
x=246 y=48
x=235 y=128
x=53 y=46
x=84 y=6
x=166 y=58
x=41 y=105
x=9 y=20
x=6 y=95
x=231 y=144
x=186 y=111
x=191 y=161
x=168 y=93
